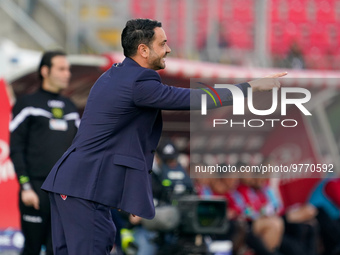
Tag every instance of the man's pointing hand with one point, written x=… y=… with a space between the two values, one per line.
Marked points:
x=267 y=83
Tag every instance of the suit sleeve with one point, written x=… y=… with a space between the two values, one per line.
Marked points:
x=19 y=128
x=149 y=91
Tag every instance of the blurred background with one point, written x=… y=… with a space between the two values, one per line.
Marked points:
x=258 y=33
x=235 y=40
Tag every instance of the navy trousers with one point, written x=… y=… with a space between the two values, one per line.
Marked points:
x=80 y=226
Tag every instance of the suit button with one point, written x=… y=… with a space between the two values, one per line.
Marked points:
x=150 y=171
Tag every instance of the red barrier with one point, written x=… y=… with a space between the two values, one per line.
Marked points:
x=9 y=212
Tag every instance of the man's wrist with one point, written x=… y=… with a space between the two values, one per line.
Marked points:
x=254 y=85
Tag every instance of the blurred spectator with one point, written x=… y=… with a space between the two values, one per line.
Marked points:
x=262 y=234
x=175 y=180
x=326 y=197
x=43 y=127
x=214 y=46
x=295 y=58
x=203 y=184
x=299 y=233
x=269 y=228
x=169 y=181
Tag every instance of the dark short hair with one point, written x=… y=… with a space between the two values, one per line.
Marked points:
x=46 y=60
x=138 y=31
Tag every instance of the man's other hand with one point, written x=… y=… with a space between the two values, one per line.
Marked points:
x=267 y=83
x=134 y=219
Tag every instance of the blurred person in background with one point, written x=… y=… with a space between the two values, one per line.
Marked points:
x=312 y=227
x=295 y=58
x=247 y=229
x=214 y=47
x=43 y=126
x=173 y=177
x=299 y=229
x=326 y=198
x=202 y=184
x=169 y=182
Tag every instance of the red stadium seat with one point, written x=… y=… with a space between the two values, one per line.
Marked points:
x=243 y=10
x=279 y=10
x=311 y=9
x=333 y=36
x=241 y=35
x=279 y=40
x=319 y=36
x=314 y=25
x=325 y=11
x=135 y=8
x=143 y=9
x=336 y=59
x=181 y=19
x=315 y=59
x=303 y=36
x=297 y=11
x=225 y=10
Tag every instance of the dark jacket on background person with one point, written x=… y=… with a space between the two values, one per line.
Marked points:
x=42 y=128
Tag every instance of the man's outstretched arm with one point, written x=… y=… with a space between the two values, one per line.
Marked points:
x=150 y=92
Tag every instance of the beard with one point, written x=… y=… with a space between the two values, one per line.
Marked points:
x=157 y=62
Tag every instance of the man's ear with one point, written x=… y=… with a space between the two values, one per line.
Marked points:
x=44 y=71
x=143 y=50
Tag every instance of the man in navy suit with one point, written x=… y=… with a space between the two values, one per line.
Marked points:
x=108 y=164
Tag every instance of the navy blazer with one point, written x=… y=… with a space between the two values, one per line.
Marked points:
x=111 y=157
